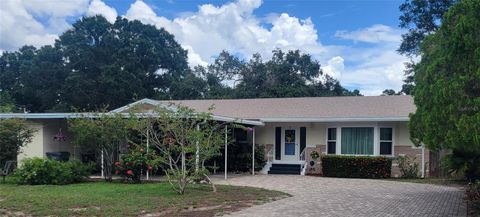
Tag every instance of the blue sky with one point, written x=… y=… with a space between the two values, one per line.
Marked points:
x=354 y=40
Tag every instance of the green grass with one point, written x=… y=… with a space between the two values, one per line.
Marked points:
x=117 y=199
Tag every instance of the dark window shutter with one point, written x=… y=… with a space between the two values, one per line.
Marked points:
x=303 y=138
x=278 y=142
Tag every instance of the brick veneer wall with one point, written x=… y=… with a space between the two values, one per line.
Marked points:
x=411 y=152
x=316 y=169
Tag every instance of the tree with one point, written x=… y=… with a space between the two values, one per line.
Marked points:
x=96 y=64
x=421 y=18
x=112 y=64
x=103 y=133
x=286 y=74
x=184 y=140
x=447 y=91
x=14 y=134
x=389 y=92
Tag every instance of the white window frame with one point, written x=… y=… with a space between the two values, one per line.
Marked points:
x=392 y=140
x=329 y=140
x=376 y=135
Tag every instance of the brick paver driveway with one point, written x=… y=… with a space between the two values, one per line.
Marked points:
x=318 y=196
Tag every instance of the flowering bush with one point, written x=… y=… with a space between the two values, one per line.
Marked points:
x=135 y=163
x=356 y=166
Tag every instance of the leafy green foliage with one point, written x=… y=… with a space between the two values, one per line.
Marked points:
x=14 y=134
x=472 y=196
x=463 y=163
x=408 y=167
x=101 y=133
x=97 y=64
x=38 y=171
x=356 y=166
x=447 y=91
x=239 y=158
x=136 y=162
x=184 y=140
x=421 y=18
x=287 y=74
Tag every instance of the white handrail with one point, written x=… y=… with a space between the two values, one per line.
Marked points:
x=302 y=162
x=302 y=155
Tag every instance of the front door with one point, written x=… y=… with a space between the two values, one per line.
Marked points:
x=290 y=145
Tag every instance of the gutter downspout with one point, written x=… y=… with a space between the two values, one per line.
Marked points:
x=423 y=161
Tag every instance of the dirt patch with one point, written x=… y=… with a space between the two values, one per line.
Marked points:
x=81 y=209
x=4 y=212
x=209 y=211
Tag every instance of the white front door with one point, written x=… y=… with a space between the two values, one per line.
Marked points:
x=290 y=145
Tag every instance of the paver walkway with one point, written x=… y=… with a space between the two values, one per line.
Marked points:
x=319 y=196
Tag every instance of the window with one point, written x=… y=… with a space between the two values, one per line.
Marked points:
x=386 y=141
x=357 y=140
x=332 y=141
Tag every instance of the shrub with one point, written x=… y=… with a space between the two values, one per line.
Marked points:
x=356 y=166
x=408 y=167
x=472 y=196
x=39 y=171
x=134 y=163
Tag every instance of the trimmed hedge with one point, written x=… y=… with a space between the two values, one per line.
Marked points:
x=356 y=166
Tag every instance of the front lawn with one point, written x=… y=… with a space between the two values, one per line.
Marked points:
x=117 y=199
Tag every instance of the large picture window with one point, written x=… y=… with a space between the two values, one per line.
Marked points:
x=357 y=140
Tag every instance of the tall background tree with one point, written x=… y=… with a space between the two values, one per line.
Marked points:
x=97 y=65
x=421 y=18
x=447 y=91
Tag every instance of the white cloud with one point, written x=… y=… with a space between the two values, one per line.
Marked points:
x=334 y=67
x=232 y=27
x=98 y=7
x=20 y=23
x=375 y=34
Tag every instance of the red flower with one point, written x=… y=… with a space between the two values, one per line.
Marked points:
x=150 y=168
x=117 y=172
x=130 y=172
x=117 y=163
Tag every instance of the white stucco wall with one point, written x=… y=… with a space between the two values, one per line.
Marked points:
x=43 y=141
x=316 y=132
x=35 y=147
x=402 y=136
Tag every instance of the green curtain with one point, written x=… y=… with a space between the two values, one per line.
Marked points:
x=357 y=140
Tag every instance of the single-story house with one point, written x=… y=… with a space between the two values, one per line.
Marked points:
x=289 y=129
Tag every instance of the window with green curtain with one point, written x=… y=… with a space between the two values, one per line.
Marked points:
x=357 y=140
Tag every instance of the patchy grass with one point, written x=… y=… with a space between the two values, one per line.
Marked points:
x=117 y=199
x=434 y=181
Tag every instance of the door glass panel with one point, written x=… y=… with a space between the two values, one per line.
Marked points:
x=289 y=142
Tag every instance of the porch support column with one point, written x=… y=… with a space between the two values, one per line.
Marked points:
x=226 y=147
x=148 y=145
x=253 y=151
x=423 y=161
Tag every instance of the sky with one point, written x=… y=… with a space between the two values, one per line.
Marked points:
x=355 y=41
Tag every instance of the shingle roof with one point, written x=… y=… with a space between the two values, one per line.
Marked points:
x=307 y=107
